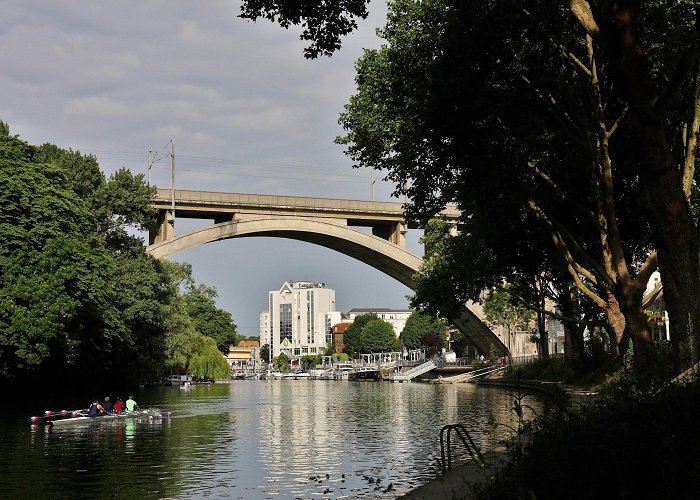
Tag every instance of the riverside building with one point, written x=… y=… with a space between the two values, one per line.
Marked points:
x=299 y=319
x=395 y=317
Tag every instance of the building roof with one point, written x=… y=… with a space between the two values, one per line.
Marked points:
x=340 y=327
x=377 y=310
x=249 y=343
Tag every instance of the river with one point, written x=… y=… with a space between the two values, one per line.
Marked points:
x=249 y=440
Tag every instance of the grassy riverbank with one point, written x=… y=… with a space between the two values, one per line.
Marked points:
x=626 y=443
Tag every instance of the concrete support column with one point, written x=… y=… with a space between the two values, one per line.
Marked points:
x=166 y=228
x=398 y=234
x=394 y=233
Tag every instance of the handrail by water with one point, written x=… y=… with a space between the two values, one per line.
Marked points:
x=413 y=372
x=463 y=377
x=467 y=441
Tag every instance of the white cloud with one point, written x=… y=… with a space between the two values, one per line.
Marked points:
x=247 y=111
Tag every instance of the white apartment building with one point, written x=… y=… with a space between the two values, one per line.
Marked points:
x=299 y=319
x=396 y=317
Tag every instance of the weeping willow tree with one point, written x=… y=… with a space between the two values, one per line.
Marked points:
x=206 y=359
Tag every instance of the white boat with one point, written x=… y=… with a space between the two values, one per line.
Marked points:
x=302 y=375
x=179 y=380
x=81 y=417
x=277 y=375
x=342 y=370
x=321 y=374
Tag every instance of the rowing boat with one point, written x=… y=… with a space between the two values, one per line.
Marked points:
x=80 y=416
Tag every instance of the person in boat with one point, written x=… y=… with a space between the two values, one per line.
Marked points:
x=107 y=405
x=96 y=409
x=131 y=405
x=119 y=405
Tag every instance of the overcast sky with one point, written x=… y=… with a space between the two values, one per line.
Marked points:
x=247 y=112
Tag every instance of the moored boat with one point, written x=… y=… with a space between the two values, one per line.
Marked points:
x=342 y=370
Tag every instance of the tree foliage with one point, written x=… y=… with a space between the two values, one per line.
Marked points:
x=208 y=319
x=378 y=336
x=265 y=353
x=369 y=334
x=281 y=362
x=324 y=22
x=551 y=138
x=418 y=324
x=81 y=304
x=580 y=119
x=352 y=338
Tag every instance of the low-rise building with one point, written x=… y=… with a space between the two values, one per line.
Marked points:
x=246 y=353
x=395 y=317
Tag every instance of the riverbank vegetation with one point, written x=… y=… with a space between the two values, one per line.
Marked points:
x=625 y=444
x=81 y=303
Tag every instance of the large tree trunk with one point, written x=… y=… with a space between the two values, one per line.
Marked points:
x=629 y=296
x=573 y=333
x=616 y=325
x=673 y=230
x=661 y=191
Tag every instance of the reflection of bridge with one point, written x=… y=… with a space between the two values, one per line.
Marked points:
x=326 y=222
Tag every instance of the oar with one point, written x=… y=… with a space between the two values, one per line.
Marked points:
x=50 y=415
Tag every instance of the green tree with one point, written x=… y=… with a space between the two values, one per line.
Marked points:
x=70 y=304
x=352 y=338
x=418 y=324
x=208 y=319
x=265 y=353
x=281 y=362
x=434 y=343
x=309 y=361
x=339 y=356
x=324 y=22
x=78 y=295
x=587 y=111
x=206 y=360
x=378 y=336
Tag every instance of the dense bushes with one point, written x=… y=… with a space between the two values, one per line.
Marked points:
x=625 y=445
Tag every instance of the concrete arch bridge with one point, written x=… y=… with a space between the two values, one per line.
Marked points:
x=330 y=223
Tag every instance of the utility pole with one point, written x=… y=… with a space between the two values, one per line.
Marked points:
x=172 y=186
x=372 y=180
x=148 y=163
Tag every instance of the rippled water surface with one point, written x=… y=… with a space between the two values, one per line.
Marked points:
x=250 y=440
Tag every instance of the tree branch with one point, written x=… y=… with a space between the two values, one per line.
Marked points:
x=649 y=266
x=581 y=10
x=612 y=129
x=692 y=142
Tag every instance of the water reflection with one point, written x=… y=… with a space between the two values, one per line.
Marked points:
x=253 y=439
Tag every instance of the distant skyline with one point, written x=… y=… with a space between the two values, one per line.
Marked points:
x=247 y=112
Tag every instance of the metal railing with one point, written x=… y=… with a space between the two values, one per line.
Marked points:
x=466 y=440
x=413 y=372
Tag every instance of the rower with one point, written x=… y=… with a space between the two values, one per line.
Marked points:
x=96 y=409
x=107 y=405
x=131 y=404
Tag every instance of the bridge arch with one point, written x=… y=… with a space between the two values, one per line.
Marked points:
x=391 y=259
x=387 y=257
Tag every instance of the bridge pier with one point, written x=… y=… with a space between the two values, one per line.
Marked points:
x=166 y=228
x=394 y=233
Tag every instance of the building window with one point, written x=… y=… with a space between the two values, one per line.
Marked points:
x=285 y=322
